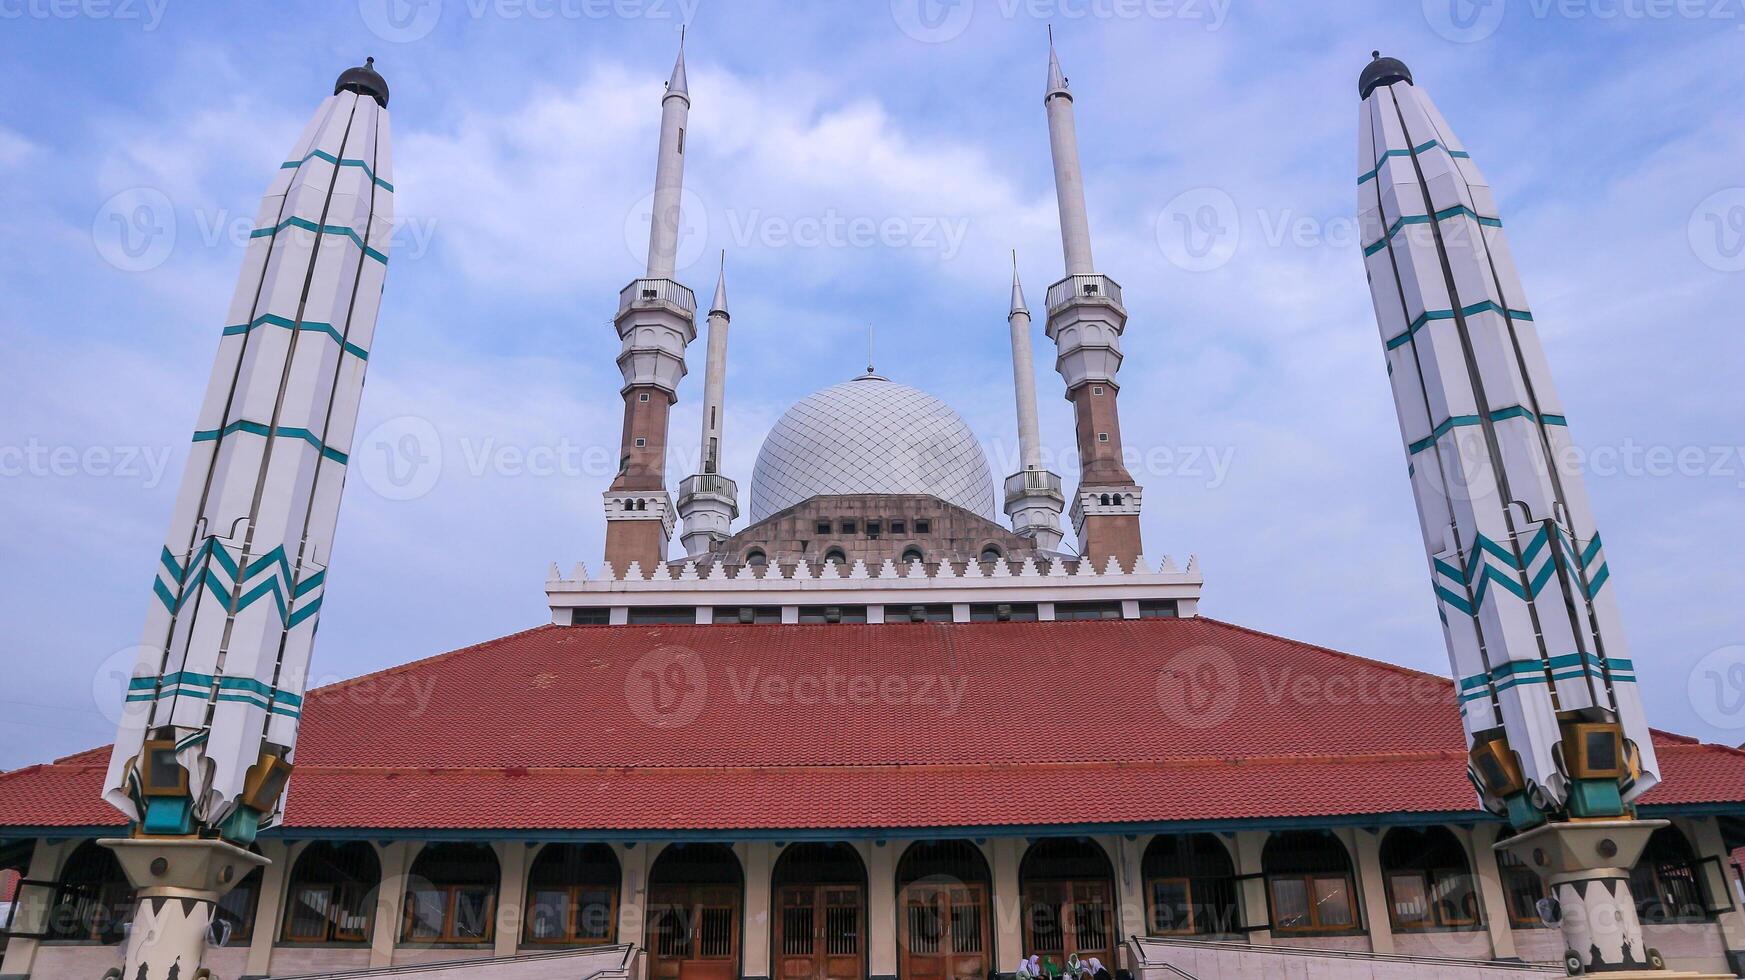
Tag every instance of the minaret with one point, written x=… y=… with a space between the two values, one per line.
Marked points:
x=1085 y=321
x=708 y=501
x=209 y=728
x=1033 y=497
x=656 y=321
x=1547 y=688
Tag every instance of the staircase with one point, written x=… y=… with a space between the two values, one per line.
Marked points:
x=1157 y=958
x=592 y=963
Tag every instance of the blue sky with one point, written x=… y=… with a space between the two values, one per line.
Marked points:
x=861 y=163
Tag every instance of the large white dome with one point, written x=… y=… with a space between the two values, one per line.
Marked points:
x=871 y=435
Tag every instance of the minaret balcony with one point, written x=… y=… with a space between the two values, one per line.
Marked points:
x=700 y=487
x=658 y=293
x=1034 y=483
x=1084 y=289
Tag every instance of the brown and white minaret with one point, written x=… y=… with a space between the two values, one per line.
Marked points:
x=656 y=321
x=1085 y=321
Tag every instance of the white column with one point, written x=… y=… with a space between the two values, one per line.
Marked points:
x=45 y=865
x=269 y=910
x=512 y=860
x=1008 y=901
x=633 y=864
x=1487 y=879
x=1128 y=856
x=881 y=909
x=758 y=858
x=396 y=858
x=1251 y=893
x=1365 y=845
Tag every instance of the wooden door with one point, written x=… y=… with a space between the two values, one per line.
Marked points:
x=820 y=932
x=693 y=932
x=1066 y=917
x=944 y=932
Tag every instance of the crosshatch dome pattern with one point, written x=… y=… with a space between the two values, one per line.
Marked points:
x=871 y=435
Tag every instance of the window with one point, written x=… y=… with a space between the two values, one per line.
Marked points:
x=912 y=555
x=1523 y=889
x=642 y=397
x=1157 y=609
x=598 y=616
x=1015 y=612
x=1068 y=888
x=681 y=139
x=661 y=615
x=452 y=895
x=874 y=529
x=641 y=443
x=1190 y=886
x=572 y=895
x=233 y=919
x=918 y=614
x=1666 y=881
x=1087 y=610
x=1102 y=437
x=899 y=527
x=756 y=558
x=848 y=527
x=832 y=614
x=93 y=901
x=1096 y=389
x=836 y=555
x=1309 y=883
x=991 y=554
x=923 y=526
x=332 y=894
x=1428 y=883
x=823 y=527
x=748 y=614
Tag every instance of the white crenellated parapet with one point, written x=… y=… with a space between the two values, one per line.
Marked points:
x=1054 y=580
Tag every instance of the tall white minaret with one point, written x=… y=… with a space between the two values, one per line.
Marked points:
x=669 y=173
x=708 y=501
x=208 y=733
x=1069 y=179
x=1548 y=692
x=656 y=321
x=1033 y=497
x=1085 y=321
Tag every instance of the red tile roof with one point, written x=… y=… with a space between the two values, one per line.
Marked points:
x=864 y=726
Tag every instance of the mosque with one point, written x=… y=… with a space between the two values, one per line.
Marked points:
x=871 y=732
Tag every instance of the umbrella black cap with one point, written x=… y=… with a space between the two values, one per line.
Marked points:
x=364 y=80
x=1382 y=71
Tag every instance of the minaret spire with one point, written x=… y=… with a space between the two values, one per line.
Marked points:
x=1555 y=729
x=1085 y=321
x=1069 y=182
x=708 y=501
x=1033 y=497
x=656 y=321
x=669 y=173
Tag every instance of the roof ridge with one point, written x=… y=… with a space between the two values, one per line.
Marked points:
x=1412 y=671
x=433 y=658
